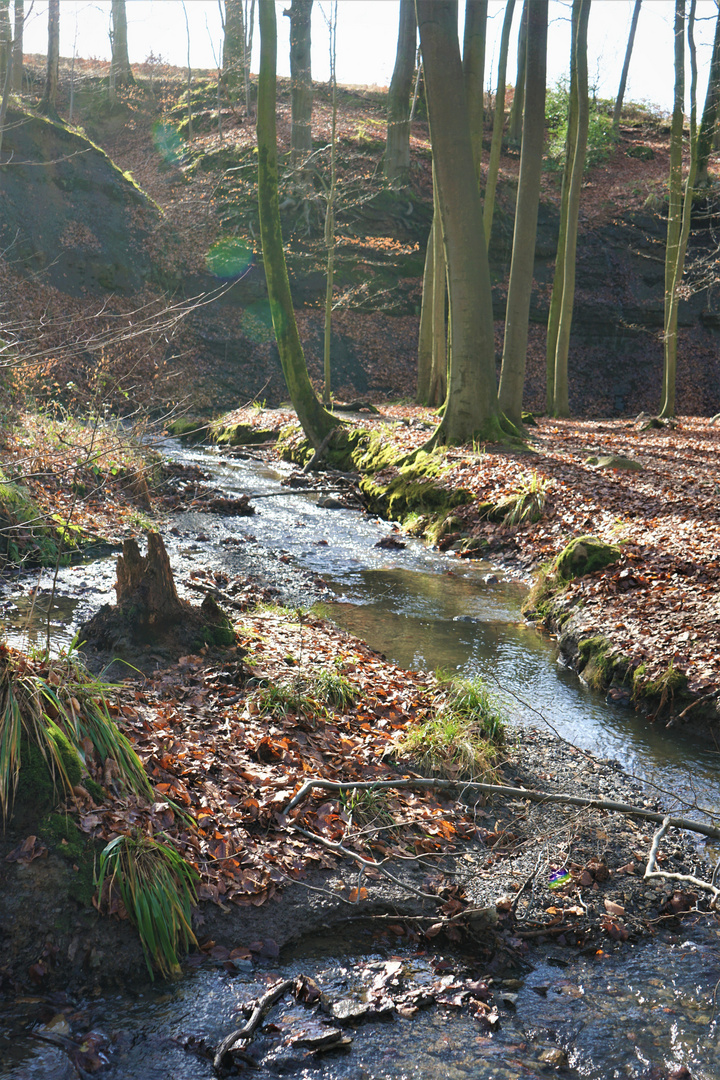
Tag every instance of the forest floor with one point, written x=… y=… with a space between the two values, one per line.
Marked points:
x=225 y=756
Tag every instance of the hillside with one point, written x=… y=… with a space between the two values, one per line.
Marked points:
x=208 y=239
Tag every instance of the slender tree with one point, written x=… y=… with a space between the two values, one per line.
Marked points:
x=674 y=226
x=474 y=37
x=526 y=213
x=471 y=408
x=48 y=102
x=676 y=272
x=17 y=51
x=330 y=209
x=563 y=293
x=397 y=149
x=626 y=68
x=432 y=341
x=301 y=89
x=498 y=123
x=5 y=40
x=122 y=72
x=708 y=124
x=317 y=422
x=235 y=55
x=518 y=102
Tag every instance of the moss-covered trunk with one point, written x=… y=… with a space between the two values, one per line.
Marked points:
x=316 y=421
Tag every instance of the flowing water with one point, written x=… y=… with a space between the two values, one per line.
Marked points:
x=616 y=1015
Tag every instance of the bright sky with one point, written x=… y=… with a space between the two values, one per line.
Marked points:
x=367 y=36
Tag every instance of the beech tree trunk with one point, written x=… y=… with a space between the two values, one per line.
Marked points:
x=432 y=344
x=316 y=421
x=579 y=103
x=518 y=103
x=708 y=123
x=674 y=227
x=471 y=406
x=498 y=123
x=48 y=103
x=626 y=68
x=301 y=89
x=474 y=37
x=121 y=64
x=17 y=49
x=397 y=147
x=517 y=311
x=5 y=41
x=235 y=61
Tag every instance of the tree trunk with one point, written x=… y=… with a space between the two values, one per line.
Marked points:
x=425 y=333
x=48 y=103
x=626 y=68
x=579 y=104
x=397 y=148
x=471 y=406
x=708 y=123
x=330 y=214
x=474 y=37
x=120 y=61
x=526 y=213
x=498 y=123
x=518 y=104
x=5 y=41
x=17 y=49
x=301 y=79
x=672 y=302
x=316 y=421
x=234 y=50
x=559 y=275
x=674 y=227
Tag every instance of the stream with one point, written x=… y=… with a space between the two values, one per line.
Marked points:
x=621 y=1014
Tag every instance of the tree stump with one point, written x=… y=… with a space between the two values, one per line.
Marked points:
x=145 y=583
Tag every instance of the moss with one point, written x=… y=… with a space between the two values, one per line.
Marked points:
x=241 y=434
x=584 y=555
x=218 y=631
x=39 y=787
x=62 y=837
x=187 y=429
x=669 y=682
x=595 y=664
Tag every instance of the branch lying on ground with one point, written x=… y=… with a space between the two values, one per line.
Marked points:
x=230 y=1044
x=686 y=879
x=511 y=792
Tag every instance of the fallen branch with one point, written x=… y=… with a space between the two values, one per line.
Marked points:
x=651 y=870
x=236 y=1040
x=511 y=792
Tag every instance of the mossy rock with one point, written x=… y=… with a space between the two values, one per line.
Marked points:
x=594 y=663
x=614 y=461
x=584 y=555
x=243 y=435
x=62 y=837
x=188 y=430
x=642 y=153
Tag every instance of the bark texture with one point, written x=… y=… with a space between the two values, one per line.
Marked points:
x=120 y=61
x=17 y=50
x=526 y=215
x=474 y=37
x=301 y=90
x=498 y=122
x=471 y=406
x=397 y=150
x=48 y=103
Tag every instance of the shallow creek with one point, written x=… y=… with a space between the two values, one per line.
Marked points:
x=618 y=1015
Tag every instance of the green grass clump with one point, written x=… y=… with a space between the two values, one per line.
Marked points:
x=284 y=699
x=461 y=736
x=528 y=501
x=334 y=688
x=157 y=888
x=50 y=709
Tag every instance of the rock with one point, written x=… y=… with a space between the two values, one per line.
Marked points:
x=554 y=1056
x=614 y=461
x=584 y=555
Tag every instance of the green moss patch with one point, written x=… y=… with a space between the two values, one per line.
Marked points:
x=27 y=536
x=242 y=434
x=62 y=837
x=584 y=555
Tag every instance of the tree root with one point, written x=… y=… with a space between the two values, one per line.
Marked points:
x=236 y=1041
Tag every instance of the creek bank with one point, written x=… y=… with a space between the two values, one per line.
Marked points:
x=523 y=510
